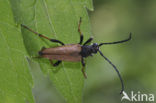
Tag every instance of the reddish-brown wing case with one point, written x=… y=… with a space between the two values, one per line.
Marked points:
x=69 y=52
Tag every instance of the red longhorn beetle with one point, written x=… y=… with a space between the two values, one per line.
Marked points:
x=75 y=52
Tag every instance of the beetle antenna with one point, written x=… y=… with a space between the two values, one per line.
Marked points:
x=117 y=42
x=122 y=84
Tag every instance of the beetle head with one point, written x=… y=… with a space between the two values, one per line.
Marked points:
x=95 y=48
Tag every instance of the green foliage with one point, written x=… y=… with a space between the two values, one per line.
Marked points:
x=15 y=78
x=56 y=19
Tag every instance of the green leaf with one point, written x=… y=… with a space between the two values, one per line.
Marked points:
x=15 y=79
x=57 y=19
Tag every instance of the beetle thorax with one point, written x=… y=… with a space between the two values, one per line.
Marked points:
x=88 y=50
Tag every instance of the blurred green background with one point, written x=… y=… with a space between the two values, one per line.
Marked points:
x=113 y=20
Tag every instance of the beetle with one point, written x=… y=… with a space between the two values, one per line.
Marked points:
x=75 y=52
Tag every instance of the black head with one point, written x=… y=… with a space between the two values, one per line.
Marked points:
x=94 y=48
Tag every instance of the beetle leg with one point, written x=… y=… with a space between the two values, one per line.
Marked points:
x=55 y=64
x=83 y=68
x=40 y=35
x=88 y=41
x=81 y=35
x=57 y=41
